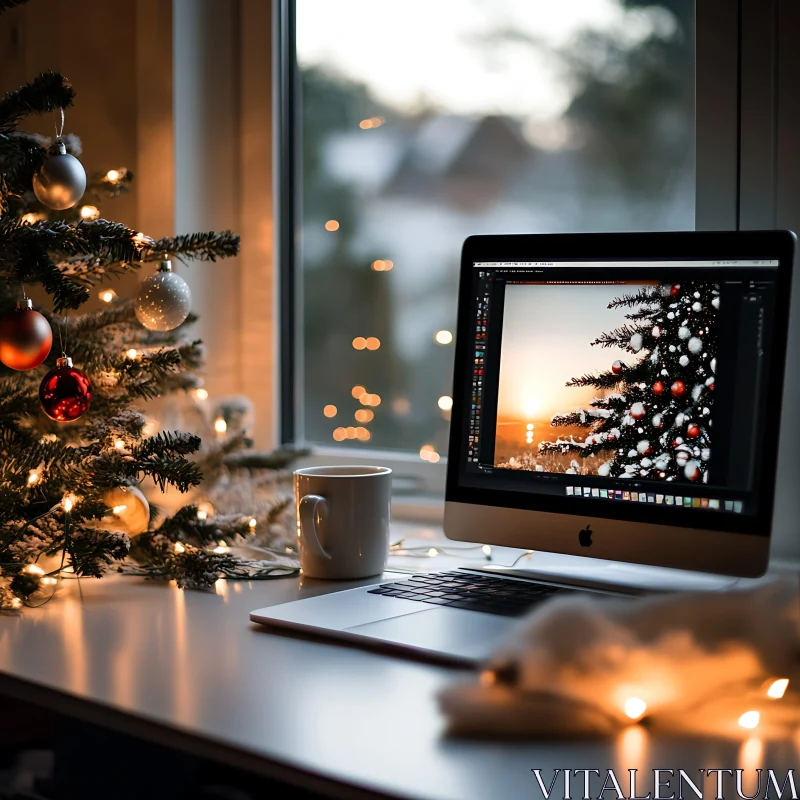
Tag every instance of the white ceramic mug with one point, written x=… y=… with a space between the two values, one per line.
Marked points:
x=343 y=520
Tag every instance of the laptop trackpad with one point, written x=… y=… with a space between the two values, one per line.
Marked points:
x=465 y=633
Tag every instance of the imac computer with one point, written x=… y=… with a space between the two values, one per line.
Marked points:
x=618 y=396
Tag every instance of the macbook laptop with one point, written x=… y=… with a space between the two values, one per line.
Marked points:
x=616 y=408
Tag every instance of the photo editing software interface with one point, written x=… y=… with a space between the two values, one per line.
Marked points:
x=620 y=381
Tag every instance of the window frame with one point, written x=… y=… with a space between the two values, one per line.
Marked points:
x=736 y=169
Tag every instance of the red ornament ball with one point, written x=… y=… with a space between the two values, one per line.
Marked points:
x=710 y=386
x=65 y=392
x=678 y=389
x=25 y=338
x=693 y=431
x=676 y=287
x=658 y=387
x=637 y=410
x=617 y=367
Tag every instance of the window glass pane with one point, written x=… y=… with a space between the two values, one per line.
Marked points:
x=424 y=122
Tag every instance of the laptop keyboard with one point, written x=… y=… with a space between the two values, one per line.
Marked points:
x=483 y=593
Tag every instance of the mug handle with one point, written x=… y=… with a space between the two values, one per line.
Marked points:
x=309 y=505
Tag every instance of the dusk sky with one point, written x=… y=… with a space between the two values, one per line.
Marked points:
x=546 y=336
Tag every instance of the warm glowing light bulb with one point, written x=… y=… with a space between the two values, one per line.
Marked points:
x=34 y=569
x=119 y=509
x=778 y=688
x=33 y=477
x=107 y=296
x=357 y=391
x=433 y=552
x=331 y=225
x=201 y=394
x=113 y=175
x=488 y=678
x=221 y=548
x=373 y=343
x=30 y=218
x=750 y=719
x=202 y=514
x=635 y=707
x=529 y=426
x=220 y=426
x=48 y=580
x=68 y=503
x=89 y=212
x=253 y=522
x=141 y=239
x=179 y=548
x=359 y=343
x=445 y=402
x=16 y=602
x=329 y=410
x=132 y=353
x=365 y=124
x=339 y=435
x=362 y=434
x=487 y=550
x=364 y=415
x=443 y=337
x=119 y=445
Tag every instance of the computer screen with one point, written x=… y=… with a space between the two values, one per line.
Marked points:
x=634 y=386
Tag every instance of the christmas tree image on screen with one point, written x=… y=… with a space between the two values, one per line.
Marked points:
x=649 y=412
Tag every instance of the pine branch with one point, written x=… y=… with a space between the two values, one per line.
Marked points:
x=208 y=246
x=619 y=337
x=65 y=293
x=174 y=442
x=46 y=92
x=647 y=294
x=600 y=380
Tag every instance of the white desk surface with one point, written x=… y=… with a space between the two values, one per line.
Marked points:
x=189 y=670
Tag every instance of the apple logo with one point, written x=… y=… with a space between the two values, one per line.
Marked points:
x=585 y=536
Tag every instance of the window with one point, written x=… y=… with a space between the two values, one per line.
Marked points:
x=419 y=123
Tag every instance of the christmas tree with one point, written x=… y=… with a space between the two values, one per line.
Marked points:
x=652 y=417
x=75 y=451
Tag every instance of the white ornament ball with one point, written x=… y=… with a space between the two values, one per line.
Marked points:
x=637 y=410
x=671 y=315
x=683 y=360
x=604 y=469
x=643 y=446
x=697 y=295
x=636 y=342
x=684 y=332
x=697 y=307
x=715 y=302
x=695 y=345
x=713 y=364
x=61 y=180
x=705 y=453
x=681 y=458
x=164 y=300
x=632 y=454
x=646 y=462
x=658 y=420
x=656 y=331
x=672 y=348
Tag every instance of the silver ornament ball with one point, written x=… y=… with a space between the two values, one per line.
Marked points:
x=164 y=300
x=61 y=181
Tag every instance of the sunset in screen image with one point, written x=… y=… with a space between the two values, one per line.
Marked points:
x=547 y=331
